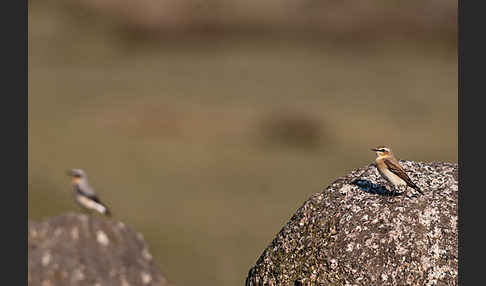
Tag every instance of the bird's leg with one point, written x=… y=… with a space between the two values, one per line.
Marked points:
x=397 y=190
x=84 y=211
x=403 y=189
x=393 y=191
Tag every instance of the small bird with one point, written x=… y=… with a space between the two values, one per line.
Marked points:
x=391 y=170
x=84 y=194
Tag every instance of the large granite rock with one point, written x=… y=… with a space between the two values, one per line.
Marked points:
x=355 y=232
x=79 y=249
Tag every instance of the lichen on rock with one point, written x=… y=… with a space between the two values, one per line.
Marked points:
x=79 y=249
x=355 y=233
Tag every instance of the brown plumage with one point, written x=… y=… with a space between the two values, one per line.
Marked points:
x=390 y=168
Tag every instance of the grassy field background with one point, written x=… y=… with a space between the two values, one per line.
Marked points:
x=208 y=146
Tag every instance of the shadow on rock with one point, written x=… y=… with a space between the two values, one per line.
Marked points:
x=369 y=187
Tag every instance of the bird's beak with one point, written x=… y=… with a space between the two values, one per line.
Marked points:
x=375 y=150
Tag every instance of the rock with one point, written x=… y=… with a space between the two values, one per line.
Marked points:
x=356 y=233
x=79 y=249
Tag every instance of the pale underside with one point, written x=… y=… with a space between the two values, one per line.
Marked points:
x=90 y=204
x=392 y=178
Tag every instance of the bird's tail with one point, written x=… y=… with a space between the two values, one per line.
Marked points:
x=417 y=189
x=102 y=208
x=106 y=211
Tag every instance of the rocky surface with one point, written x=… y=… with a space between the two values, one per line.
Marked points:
x=356 y=233
x=79 y=249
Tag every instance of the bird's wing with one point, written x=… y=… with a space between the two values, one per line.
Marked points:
x=89 y=193
x=86 y=190
x=396 y=169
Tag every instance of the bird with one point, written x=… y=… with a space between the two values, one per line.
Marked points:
x=390 y=169
x=84 y=194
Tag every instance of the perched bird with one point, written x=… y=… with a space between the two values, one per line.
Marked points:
x=84 y=194
x=391 y=170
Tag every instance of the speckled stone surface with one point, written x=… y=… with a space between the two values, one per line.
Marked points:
x=79 y=249
x=355 y=233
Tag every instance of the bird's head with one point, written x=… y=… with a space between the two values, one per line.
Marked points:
x=76 y=174
x=382 y=151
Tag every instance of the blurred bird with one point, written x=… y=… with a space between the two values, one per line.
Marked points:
x=390 y=169
x=85 y=194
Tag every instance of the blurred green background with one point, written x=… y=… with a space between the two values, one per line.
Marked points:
x=206 y=124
